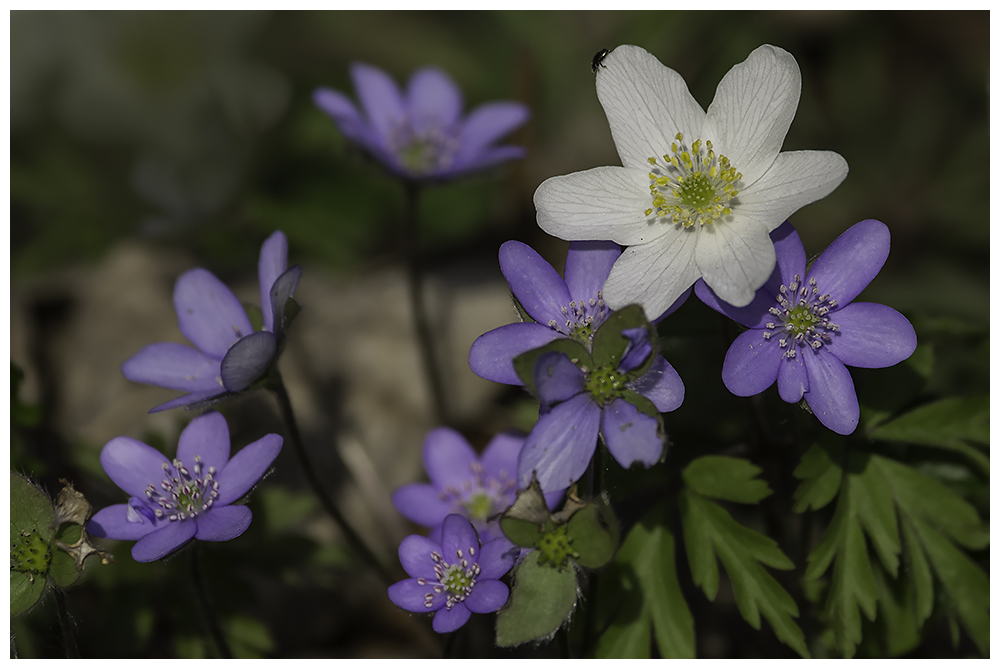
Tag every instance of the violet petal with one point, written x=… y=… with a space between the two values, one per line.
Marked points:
x=850 y=263
x=175 y=366
x=206 y=436
x=496 y=557
x=492 y=354
x=588 y=265
x=631 y=435
x=751 y=364
x=661 y=385
x=271 y=264
x=538 y=287
x=421 y=503
x=831 y=394
x=457 y=534
x=499 y=460
x=488 y=157
x=561 y=444
x=188 y=400
x=637 y=349
x=415 y=556
x=246 y=468
x=283 y=289
x=871 y=335
x=448 y=458
x=247 y=360
x=342 y=110
x=223 y=523
x=208 y=313
x=132 y=465
x=112 y=522
x=448 y=621
x=381 y=100
x=410 y=596
x=164 y=541
x=486 y=124
x=557 y=378
x=793 y=379
x=434 y=101
x=487 y=596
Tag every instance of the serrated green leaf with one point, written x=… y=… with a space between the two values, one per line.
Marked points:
x=25 y=589
x=741 y=550
x=524 y=364
x=878 y=514
x=919 y=571
x=732 y=479
x=948 y=423
x=821 y=473
x=594 y=532
x=542 y=599
x=896 y=620
x=642 y=584
x=609 y=343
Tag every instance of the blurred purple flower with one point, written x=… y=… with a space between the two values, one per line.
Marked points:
x=804 y=328
x=572 y=308
x=229 y=355
x=477 y=488
x=188 y=498
x=456 y=577
x=580 y=402
x=420 y=134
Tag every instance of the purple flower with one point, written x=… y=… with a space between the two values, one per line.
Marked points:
x=477 y=488
x=804 y=328
x=456 y=577
x=190 y=497
x=572 y=309
x=420 y=134
x=229 y=355
x=583 y=396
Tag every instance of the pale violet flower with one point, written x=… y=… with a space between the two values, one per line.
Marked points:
x=697 y=193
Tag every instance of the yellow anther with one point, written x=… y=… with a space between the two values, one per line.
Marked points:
x=651 y=161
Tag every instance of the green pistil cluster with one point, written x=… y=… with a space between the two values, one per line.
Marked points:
x=555 y=547
x=457 y=580
x=802 y=314
x=419 y=156
x=692 y=185
x=479 y=506
x=30 y=553
x=605 y=384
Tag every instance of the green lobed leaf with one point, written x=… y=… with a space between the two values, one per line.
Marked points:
x=642 y=586
x=595 y=534
x=820 y=472
x=920 y=581
x=524 y=364
x=741 y=551
x=732 y=479
x=878 y=514
x=948 y=424
x=542 y=599
x=896 y=621
x=609 y=342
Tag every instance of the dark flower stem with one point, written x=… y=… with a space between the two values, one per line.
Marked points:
x=277 y=386
x=596 y=490
x=66 y=626
x=201 y=591
x=415 y=280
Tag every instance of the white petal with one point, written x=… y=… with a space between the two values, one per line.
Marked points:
x=753 y=107
x=601 y=204
x=654 y=275
x=647 y=104
x=735 y=257
x=796 y=178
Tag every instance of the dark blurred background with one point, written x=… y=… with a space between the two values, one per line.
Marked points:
x=147 y=143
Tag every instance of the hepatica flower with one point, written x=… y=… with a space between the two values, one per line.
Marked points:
x=420 y=134
x=616 y=391
x=228 y=355
x=573 y=308
x=804 y=327
x=697 y=193
x=188 y=497
x=455 y=577
x=477 y=488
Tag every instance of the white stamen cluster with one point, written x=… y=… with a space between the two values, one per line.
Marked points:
x=425 y=152
x=692 y=184
x=803 y=317
x=185 y=492
x=582 y=318
x=454 y=580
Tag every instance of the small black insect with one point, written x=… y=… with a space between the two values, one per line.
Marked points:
x=598 y=60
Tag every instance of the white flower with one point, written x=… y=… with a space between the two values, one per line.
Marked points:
x=698 y=192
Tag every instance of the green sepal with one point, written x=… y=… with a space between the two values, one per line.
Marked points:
x=609 y=343
x=542 y=599
x=292 y=309
x=524 y=521
x=524 y=364
x=732 y=479
x=594 y=533
x=64 y=570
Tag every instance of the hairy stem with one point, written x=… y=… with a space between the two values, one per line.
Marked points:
x=201 y=591
x=66 y=626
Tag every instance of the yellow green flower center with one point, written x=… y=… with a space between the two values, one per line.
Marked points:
x=555 y=547
x=802 y=317
x=479 y=506
x=457 y=580
x=30 y=553
x=692 y=184
x=604 y=384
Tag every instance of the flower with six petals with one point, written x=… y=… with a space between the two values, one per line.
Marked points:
x=805 y=327
x=697 y=193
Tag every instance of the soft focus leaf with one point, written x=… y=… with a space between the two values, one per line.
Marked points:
x=542 y=599
x=594 y=532
x=741 y=550
x=731 y=479
x=820 y=472
x=949 y=424
x=249 y=638
x=642 y=588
